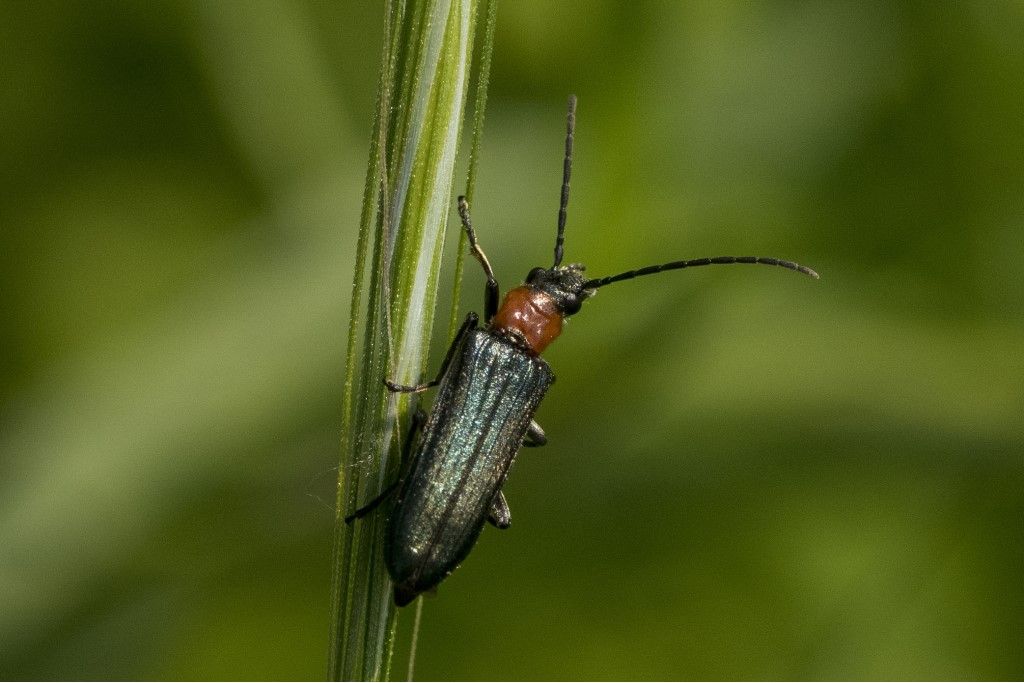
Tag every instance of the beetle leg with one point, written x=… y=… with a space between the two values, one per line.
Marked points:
x=500 y=516
x=410 y=389
x=535 y=436
x=468 y=324
x=418 y=418
x=373 y=504
x=491 y=289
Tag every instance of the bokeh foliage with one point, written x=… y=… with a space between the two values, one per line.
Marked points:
x=750 y=474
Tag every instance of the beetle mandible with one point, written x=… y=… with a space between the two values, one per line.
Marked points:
x=490 y=384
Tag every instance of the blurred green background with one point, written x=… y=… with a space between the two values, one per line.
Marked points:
x=750 y=474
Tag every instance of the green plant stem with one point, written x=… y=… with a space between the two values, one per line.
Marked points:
x=479 y=108
x=421 y=97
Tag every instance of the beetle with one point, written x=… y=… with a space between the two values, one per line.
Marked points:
x=489 y=385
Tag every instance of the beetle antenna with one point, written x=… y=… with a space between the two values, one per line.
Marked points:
x=570 y=126
x=692 y=263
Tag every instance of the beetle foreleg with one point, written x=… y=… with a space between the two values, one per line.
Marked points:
x=491 y=290
x=500 y=516
x=535 y=436
x=468 y=324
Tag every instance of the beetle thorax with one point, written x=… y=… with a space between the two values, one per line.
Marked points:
x=530 y=317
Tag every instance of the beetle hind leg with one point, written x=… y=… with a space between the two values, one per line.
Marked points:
x=418 y=418
x=500 y=516
x=468 y=324
x=373 y=504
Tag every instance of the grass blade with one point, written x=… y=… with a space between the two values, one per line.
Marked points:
x=406 y=202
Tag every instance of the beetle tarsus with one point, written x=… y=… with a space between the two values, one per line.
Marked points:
x=407 y=389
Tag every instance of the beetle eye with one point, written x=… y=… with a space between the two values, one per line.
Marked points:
x=572 y=305
x=533 y=274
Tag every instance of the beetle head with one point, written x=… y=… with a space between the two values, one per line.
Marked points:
x=564 y=284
